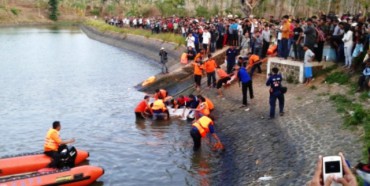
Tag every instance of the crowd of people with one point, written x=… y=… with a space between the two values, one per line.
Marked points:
x=348 y=35
x=251 y=40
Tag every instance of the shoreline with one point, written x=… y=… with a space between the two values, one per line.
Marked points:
x=285 y=148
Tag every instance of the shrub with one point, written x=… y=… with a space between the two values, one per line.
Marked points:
x=53 y=8
x=15 y=11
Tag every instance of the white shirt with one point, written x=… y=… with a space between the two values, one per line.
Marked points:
x=348 y=39
x=206 y=37
x=190 y=41
x=308 y=55
x=266 y=35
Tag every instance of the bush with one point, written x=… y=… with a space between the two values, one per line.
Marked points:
x=53 y=8
x=15 y=11
x=95 y=12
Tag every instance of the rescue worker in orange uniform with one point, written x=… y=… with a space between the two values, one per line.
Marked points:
x=160 y=94
x=52 y=143
x=143 y=110
x=254 y=63
x=202 y=109
x=198 y=72
x=200 y=128
x=210 y=68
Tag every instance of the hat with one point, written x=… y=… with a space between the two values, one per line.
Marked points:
x=162 y=48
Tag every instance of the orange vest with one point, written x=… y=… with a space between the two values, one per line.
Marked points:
x=210 y=65
x=184 y=58
x=253 y=59
x=205 y=111
x=202 y=125
x=161 y=92
x=210 y=105
x=141 y=106
x=50 y=144
x=197 y=69
x=222 y=74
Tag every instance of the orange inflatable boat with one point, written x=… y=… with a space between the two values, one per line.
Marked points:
x=77 y=176
x=30 y=162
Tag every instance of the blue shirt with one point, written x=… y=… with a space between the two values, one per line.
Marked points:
x=366 y=71
x=231 y=55
x=243 y=75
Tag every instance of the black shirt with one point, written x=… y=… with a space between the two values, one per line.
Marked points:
x=297 y=31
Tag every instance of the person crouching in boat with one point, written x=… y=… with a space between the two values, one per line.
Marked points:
x=199 y=130
x=52 y=144
x=159 y=110
x=142 y=110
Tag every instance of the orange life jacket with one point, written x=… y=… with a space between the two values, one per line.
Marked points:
x=162 y=93
x=210 y=105
x=202 y=125
x=205 y=111
x=221 y=73
x=141 y=107
x=50 y=144
x=184 y=58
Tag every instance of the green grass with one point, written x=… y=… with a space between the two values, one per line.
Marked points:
x=354 y=113
x=166 y=37
x=326 y=70
x=338 y=77
x=364 y=96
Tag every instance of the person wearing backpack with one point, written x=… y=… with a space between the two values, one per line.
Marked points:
x=276 y=92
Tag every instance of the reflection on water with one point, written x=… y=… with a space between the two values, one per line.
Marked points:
x=59 y=74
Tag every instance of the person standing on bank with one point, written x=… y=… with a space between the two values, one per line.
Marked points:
x=231 y=54
x=210 y=68
x=163 y=55
x=246 y=80
x=276 y=92
x=199 y=130
x=52 y=143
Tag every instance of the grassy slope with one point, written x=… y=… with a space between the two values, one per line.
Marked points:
x=103 y=27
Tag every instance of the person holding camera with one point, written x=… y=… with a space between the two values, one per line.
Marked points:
x=52 y=143
x=347 y=180
x=163 y=55
x=276 y=92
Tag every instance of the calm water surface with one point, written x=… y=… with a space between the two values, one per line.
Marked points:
x=49 y=74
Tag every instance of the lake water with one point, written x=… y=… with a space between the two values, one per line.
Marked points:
x=50 y=73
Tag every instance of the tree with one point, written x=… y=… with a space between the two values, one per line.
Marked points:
x=53 y=8
x=249 y=5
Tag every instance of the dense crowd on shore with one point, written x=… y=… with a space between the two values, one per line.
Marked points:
x=251 y=40
x=348 y=35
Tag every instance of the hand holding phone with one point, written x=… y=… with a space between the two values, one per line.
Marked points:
x=318 y=179
x=332 y=167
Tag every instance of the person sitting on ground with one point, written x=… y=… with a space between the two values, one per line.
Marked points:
x=142 y=110
x=254 y=63
x=52 y=143
x=199 y=130
x=191 y=54
x=223 y=78
x=308 y=57
x=364 y=79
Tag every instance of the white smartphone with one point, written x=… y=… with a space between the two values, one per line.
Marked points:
x=332 y=166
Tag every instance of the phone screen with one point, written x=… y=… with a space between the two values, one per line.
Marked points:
x=332 y=167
